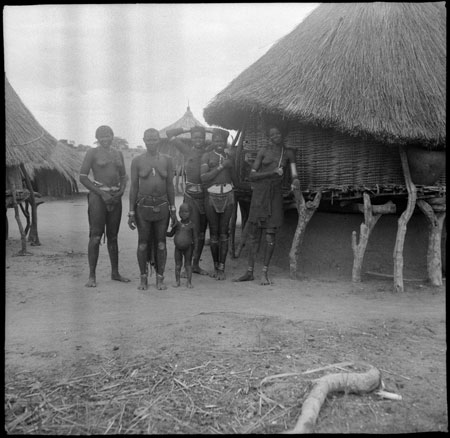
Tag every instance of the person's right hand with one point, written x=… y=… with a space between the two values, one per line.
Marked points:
x=279 y=171
x=132 y=222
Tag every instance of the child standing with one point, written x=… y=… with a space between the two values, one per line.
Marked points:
x=185 y=241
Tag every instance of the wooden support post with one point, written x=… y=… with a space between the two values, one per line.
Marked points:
x=435 y=213
x=23 y=236
x=371 y=215
x=33 y=237
x=305 y=213
x=359 y=248
x=403 y=222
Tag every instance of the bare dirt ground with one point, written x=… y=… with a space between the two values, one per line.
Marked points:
x=118 y=360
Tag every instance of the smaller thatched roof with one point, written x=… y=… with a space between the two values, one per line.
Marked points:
x=373 y=69
x=188 y=121
x=27 y=142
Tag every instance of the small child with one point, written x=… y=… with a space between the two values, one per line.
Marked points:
x=185 y=241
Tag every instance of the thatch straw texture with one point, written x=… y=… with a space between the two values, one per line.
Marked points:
x=376 y=69
x=29 y=143
x=188 y=121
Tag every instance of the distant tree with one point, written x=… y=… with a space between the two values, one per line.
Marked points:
x=120 y=143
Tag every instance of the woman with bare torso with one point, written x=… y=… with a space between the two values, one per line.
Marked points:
x=104 y=200
x=152 y=203
x=217 y=174
x=266 y=206
x=194 y=193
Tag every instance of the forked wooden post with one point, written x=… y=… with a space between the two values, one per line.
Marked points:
x=435 y=211
x=402 y=223
x=371 y=216
x=305 y=212
x=23 y=237
x=33 y=237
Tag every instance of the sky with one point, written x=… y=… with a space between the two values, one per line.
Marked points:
x=133 y=66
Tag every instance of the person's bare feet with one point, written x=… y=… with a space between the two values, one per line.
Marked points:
x=143 y=285
x=220 y=274
x=118 y=277
x=198 y=270
x=159 y=282
x=189 y=285
x=265 y=279
x=248 y=276
x=177 y=284
x=91 y=282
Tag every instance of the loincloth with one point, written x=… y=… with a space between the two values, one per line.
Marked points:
x=196 y=201
x=220 y=201
x=266 y=206
x=108 y=189
x=152 y=208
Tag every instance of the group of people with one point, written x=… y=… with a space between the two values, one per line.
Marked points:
x=208 y=201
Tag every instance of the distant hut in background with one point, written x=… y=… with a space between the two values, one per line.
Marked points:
x=361 y=88
x=36 y=164
x=188 y=121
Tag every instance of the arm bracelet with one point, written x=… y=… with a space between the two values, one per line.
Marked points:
x=131 y=213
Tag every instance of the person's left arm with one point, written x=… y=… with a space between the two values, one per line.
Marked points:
x=293 y=168
x=123 y=177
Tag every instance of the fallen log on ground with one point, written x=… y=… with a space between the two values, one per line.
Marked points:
x=350 y=382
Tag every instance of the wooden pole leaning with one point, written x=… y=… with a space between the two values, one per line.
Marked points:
x=371 y=215
x=305 y=212
x=435 y=211
x=403 y=222
x=238 y=140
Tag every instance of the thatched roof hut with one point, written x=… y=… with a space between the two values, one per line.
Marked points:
x=188 y=121
x=52 y=166
x=373 y=69
x=361 y=88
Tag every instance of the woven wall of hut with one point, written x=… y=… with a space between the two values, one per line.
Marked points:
x=51 y=183
x=329 y=160
x=13 y=176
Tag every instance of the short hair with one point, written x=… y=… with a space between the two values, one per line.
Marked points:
x=283 y=130
x=185 y=205
x=151 y=131
x=217 y=132
x=103 y=130
x=200 y=129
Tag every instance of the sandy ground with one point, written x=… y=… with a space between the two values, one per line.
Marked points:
x=53 y=322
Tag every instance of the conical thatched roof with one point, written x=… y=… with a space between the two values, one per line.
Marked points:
x=376 y=69
x=188 y=121
x=27 y=142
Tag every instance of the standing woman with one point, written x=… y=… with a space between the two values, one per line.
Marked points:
x=217 y=174
x=104 y=200
x=152 y=203
x=266 y=206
